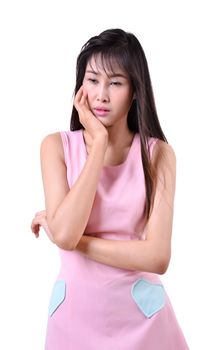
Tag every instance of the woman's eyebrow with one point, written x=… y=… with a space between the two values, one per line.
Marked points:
x=92 y=71
x=116 y=75
x=113 y=75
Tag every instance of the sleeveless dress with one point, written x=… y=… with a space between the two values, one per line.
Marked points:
x=94 y=306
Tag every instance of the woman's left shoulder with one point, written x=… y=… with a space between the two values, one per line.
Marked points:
x=163 y=153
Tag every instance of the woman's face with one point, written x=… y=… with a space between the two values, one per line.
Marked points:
x=110 y=93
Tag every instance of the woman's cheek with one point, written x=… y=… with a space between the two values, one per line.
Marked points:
x=89 y=92
x=86 y=88
x=84 y=84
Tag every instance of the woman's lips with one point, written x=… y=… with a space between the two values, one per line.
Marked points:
x=101 y=112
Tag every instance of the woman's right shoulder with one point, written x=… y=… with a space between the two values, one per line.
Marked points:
x=52 y=143
x=59 y=142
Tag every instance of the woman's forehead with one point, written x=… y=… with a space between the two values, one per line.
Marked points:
x=109 y=65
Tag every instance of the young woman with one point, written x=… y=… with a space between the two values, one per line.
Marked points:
x=109 y=188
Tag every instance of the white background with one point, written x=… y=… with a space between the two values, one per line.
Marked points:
x=39 y=44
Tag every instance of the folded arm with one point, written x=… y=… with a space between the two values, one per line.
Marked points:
x=65 y=224
x=153 y=253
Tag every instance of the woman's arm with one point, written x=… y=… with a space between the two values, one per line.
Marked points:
x=153 y=253
x=68 y=209
x=132 y=255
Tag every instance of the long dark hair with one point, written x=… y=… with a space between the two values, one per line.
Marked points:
x=116 y=45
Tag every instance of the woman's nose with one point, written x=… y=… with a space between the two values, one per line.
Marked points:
x=102 y=94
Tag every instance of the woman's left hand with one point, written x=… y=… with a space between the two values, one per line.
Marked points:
x=40 y=220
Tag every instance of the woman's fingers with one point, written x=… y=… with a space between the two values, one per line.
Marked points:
x=81 y=105
x=78 y=98
x=38 y=221
x=41 y=213
x=35 y=227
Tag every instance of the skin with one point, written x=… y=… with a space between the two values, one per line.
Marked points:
x=114 y=93
x=107 y=140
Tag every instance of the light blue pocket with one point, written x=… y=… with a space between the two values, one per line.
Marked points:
x=149 y=297
x=57 y=296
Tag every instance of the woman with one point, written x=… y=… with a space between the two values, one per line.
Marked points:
x=109 y=188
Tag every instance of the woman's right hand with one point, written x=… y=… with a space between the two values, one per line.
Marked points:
x=40 y=220
x=93 y=127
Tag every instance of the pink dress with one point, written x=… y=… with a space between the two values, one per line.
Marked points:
x=94 y=306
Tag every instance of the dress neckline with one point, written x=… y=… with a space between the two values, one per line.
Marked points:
x=118 y=166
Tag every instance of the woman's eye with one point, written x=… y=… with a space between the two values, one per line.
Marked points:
x=117 y=83
x=93 y=81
